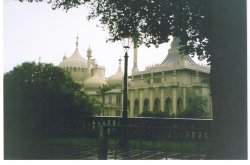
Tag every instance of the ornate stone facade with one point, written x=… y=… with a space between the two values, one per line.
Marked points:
x=163 y=87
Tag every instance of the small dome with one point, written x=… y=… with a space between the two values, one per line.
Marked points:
x=97 y=80
x=117 y=78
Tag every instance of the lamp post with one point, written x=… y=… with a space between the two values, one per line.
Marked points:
x=126 y=41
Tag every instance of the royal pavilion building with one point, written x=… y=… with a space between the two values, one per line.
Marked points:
x=163 y=87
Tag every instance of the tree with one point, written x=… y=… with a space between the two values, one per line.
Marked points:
x=209 y=28
x=228 y=79
x=197 y=107
x=43 y=100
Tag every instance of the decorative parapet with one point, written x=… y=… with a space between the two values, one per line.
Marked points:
x=163 y=68
x=164 y=84
x=196 y=85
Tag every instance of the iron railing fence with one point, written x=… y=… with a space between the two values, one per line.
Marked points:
x=184 y=138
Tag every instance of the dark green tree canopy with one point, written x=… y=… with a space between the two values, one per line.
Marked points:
x=151 y=22
x=43 y=99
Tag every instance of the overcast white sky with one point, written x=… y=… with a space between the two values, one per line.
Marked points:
x=33 y=30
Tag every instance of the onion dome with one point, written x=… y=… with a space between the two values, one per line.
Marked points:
x=76 y=65
x=97 y=80
x=74 y=61
x=117 y=78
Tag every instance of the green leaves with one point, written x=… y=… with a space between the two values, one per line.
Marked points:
x=42 y=99
x=152 y=22
x=197 y=107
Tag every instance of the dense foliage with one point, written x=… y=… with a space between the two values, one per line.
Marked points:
x=196 y=108
x=43 y=100
x=152 y=22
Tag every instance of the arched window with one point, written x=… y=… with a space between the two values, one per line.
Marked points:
x=157 y=104
x=168 y=106
x=118 y=99
x=179 y=105
x=136 y=107
x=146 y=105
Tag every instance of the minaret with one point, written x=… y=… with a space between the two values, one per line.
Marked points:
x=89 y=52
x=135 y=67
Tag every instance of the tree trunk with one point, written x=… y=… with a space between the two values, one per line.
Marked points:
x=228 y=79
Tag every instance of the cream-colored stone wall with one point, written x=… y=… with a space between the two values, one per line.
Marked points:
x=187 y=82
x=184 y=77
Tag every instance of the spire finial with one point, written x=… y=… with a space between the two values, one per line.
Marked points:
x=120 y=60
x=77 y=41
x=64 y=57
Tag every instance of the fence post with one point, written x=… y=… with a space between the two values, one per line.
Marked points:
x=102 y=143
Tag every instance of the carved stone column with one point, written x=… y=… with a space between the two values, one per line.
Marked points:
x=162 y=99
x=151 y=99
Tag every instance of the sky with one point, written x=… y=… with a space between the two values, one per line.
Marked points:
x=33 y=30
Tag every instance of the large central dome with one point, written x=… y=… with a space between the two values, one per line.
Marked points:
x=76 y=65
x=75 y=60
